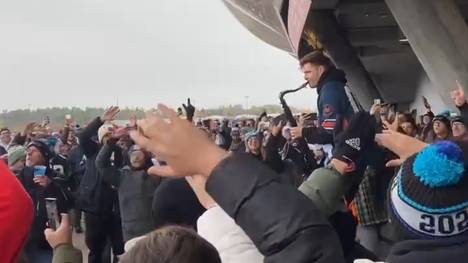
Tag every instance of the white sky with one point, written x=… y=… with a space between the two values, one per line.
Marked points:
x=137 y=52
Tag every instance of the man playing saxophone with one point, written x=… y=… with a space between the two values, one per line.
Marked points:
x=334 y=107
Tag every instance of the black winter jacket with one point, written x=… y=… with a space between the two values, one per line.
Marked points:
x=283 y=223
x=38 y=195
x=430 y=251
x=94 y=195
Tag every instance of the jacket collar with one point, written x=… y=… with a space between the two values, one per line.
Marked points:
x=332 y=74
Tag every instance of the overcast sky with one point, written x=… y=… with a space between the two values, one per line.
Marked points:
x=137 y=52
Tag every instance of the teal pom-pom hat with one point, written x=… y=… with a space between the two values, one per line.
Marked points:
x=429 y=196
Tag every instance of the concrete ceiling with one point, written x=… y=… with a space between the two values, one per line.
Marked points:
x=373 y=32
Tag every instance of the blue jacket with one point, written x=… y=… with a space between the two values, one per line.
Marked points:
x=333 y=104
x=334 y=108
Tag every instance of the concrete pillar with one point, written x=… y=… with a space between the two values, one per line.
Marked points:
x=438 y=36
x=324 y=25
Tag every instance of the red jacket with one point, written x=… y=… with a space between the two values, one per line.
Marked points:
x=16 y=216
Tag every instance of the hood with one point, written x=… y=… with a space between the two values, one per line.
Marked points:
x=332 y=74
x=429 y=251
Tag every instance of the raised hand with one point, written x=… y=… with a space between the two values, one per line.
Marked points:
x=458 y=95
x=296 y=132
x=30 y=127
x=375 y=109
x=402 y=145
x=394 y=125
x=198 y=182
x=189 y=110
x=110 y=114
x=68 y=121
x=185 y=148
x=426 y=103
x=276 y=129
x=133 y=121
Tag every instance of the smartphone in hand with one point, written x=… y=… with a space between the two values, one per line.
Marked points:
x=52 y=213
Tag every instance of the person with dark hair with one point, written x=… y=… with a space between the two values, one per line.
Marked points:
x=408 y=125
x=441 y=129
x=426 y=125
x=459 y=130
x=38 y=180
x=5 y=138
x=172 y=244
x=334 y=106
x=237 y=145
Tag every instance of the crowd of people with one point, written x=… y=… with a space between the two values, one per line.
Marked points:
x=343 y=185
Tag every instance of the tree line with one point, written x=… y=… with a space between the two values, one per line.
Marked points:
x=17 y=119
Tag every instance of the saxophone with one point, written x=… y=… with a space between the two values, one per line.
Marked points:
x=286 y=109
x=301 y=143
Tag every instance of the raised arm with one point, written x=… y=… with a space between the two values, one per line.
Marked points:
x=110 y=174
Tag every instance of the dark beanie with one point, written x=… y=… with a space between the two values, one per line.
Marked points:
x=443 y=119
x=43 y=147
x=175 y=203
x=458 y=119
x=429 y=196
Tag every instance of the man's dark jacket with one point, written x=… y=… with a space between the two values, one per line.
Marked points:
x=38 y=195
x=334 y=108
x=94 y=195
x=283 y=223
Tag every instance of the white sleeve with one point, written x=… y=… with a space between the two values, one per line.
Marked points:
x=233 y=245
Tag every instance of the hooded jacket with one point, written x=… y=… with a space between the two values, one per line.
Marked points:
x=291 y=230
x=334 y=108
x=135 y=189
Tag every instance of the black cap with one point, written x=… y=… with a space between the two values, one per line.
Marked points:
x=43 y=147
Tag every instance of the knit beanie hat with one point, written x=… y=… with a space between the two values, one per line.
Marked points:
x=104 y=130
x=444 y=119
x=429 y=196
x=251 y=135
x=43 y=147
x=15 y=154
x=457 y=119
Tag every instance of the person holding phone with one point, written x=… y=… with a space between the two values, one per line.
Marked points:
x=37 y=178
